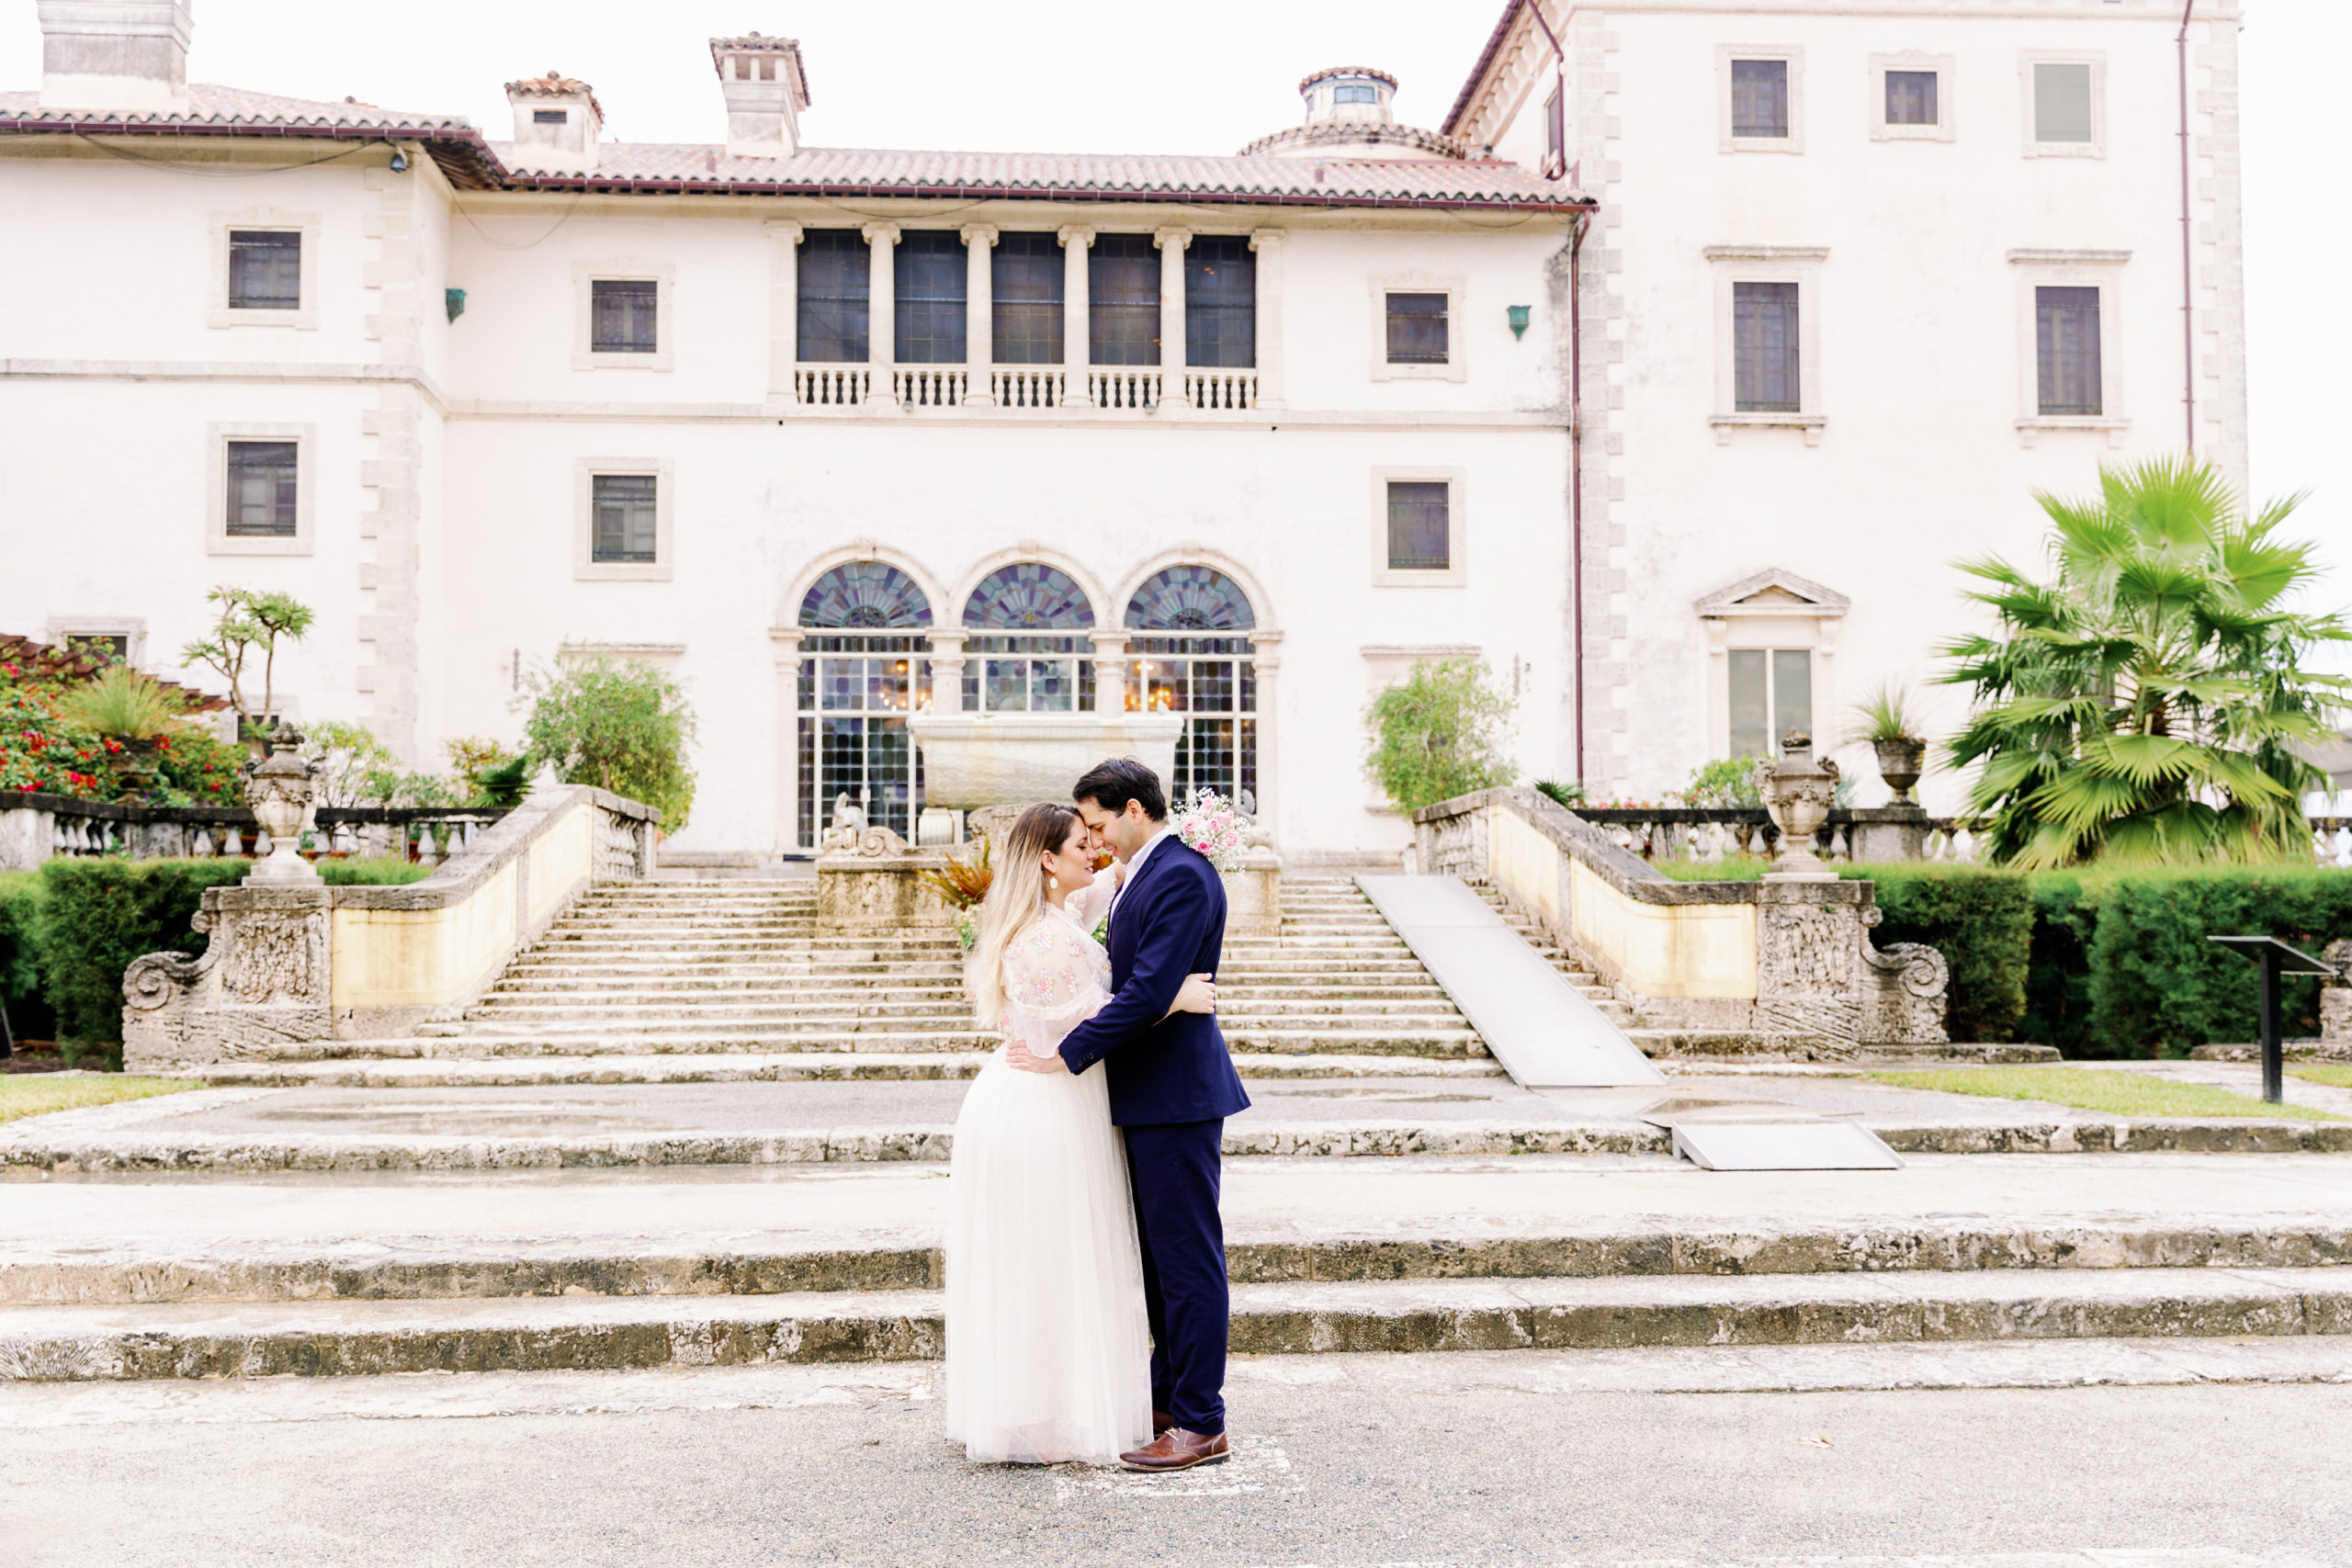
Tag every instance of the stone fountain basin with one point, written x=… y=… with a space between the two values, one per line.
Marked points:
x=975 y=760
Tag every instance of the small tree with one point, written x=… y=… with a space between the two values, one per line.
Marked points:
x=488 y=773
x=248 y=627
x=621 y=726
x=2145 y=702
x=1439 y=733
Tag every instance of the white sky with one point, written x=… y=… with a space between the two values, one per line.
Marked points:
x=1086 y=75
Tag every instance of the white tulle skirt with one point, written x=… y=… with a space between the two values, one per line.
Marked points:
x=1049 y=1349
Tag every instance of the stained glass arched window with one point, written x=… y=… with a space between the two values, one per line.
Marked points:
x=1189 y=654
x=1027 y=650
x=864 y=666
x=1028 y=597
x=1190 y=599
x=866 y=595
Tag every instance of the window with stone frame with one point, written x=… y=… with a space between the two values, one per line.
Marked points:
x=932 y=280
x=1220 y=303
x=2067 y=373
x=263 y=488
x=2062 y=101
x=625 y=519
x=1911 y=98
x=834 y=297
x=1418 y=328
x=265 y=269
x=1026 y=278
x=624 y=314
x=1123 y=300
x=1765 y=354
x=1760 y=99
x=1419 y=526
x=1771 y=692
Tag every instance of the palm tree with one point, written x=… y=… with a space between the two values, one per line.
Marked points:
x=2145 y=704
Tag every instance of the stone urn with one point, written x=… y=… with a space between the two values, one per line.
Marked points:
x=283 y=793
x=1798 y=790
x=136 y=766
x=1899 y=761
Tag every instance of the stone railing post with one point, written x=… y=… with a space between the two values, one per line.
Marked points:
x=1077 y=241
x=1172 y=243
x=882 y=305
x=979 y=312
x=25 y=835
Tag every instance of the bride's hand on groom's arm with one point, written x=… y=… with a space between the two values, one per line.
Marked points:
x=1197 y=994
x=1017 y=1054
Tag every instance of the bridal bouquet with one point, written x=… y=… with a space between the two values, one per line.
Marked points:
x=1209 y=822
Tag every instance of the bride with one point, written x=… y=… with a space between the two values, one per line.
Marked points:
x=1049 y=1352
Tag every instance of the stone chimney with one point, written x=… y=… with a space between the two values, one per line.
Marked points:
x=765 y=91
x=1348 y=115
x=555 y=123
x=114 y=54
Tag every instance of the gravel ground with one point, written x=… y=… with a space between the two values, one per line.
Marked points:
x=1394 y=1469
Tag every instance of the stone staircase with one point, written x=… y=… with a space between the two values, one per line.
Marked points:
x=710 y=968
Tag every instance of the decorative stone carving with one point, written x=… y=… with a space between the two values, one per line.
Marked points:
x=1898 y=764
x=283 y=795
x=2335 y=995
x=1798 y=792
x=1903 y=993
x=272 y=960
x=263 y=980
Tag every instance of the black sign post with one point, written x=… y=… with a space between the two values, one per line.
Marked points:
x=2276 y=958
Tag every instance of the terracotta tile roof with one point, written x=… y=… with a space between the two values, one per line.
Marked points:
x=234 y=105
x=844 y=170
x=556 y=84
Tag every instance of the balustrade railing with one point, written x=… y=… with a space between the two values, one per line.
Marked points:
x=1027 y=386
x=832 y=384
x=1221 y=389
x=59 y=826
x=1123 y=386
x=1717 y=833
x=930 y=386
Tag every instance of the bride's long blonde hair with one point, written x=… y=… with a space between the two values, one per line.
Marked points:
x=1016 y=897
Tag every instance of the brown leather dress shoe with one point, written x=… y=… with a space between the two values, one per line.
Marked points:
x=1161 y=1422
x=1177 y=1448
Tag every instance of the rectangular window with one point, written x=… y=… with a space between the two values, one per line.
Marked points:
x=1760 y=98
x=1026 y=280
x=1417 y=329
x=1123 y=300
x=1911 y=97
x=113 y=646
x=932 y=280
x=1418 y=525
x=2065 y=341
x=2062 y=101
x=1354 y=92
x=1556 y=132
x=1764 y=349
x=835 y=293
x=623 y=312
x=263 y=488
x=265 y=269
x=550 y=117
x=623 y=518
x=1772 y=694
x=1220 y=303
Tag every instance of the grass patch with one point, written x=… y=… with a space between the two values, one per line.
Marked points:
x=37 y=1094
x=1731 y=868
x=2333 y=1075
x=2121 y=1094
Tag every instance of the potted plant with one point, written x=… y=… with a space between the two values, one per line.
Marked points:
x=1885 y=720
x=961 y=885
x=130 y=713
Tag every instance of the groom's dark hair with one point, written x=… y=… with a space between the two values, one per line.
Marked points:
x=1122 y=779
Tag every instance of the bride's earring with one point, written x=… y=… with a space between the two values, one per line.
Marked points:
x=1054 y=882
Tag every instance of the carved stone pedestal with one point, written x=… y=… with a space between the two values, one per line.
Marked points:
x=1817 y=972
x=1253 y=896
x=266 y=978
x=1890 y=833
x=870 y=879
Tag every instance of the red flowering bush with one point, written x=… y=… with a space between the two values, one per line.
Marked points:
x=44 y=753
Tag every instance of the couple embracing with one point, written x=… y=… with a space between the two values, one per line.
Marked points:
x=1086 y=1288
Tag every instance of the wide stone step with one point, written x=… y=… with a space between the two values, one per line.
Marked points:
x=303 y=1339
x=897 y=1014
x=407 y=1064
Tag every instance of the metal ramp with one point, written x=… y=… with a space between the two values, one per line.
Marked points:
x=1545 y=1033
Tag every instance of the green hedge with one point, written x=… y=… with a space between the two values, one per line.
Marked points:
x=91 y=918
x=1982 y=921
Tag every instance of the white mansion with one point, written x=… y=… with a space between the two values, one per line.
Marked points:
x=1668 y=374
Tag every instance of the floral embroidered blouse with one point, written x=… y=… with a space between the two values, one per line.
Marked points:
x=1056 y=974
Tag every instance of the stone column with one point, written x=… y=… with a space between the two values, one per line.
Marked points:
x=25 y=837
x=1266 y=655
x=947 y=671
x=1172 y=243
x=980 y=316
x=1110 y=671
x=882 y=309
x=1268 y=243
x=1077 y=242
x=784 y=306
x=783 y=645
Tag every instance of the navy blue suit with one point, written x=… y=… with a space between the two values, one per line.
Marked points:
x=1171 y=1086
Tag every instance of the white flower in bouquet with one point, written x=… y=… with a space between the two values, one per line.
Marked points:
x=1209 y=822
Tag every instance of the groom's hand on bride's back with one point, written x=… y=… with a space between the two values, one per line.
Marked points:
x=1016 y=1055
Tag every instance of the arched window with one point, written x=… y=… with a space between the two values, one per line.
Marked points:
x=864 y=665
x=1191 y=655
x=1026 y=649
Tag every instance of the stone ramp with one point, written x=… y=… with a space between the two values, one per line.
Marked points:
x=1545 y=1031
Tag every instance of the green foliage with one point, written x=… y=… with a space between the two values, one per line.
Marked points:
x=357 y=769
x=962 y=883
x=20 y=903
x=488 y=773
x=2144 y=706
x=2118 y=1093
x=1725 y=782
x=1439 y=733
x=38 y=1094
x=1885 y=714
x=378 y=871
x=1571 y=796
x=248 y=626
x=1982 y=921
x=122 y=704
x=621 y=726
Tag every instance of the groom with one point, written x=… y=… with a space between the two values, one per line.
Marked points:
x=1171 y=1085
